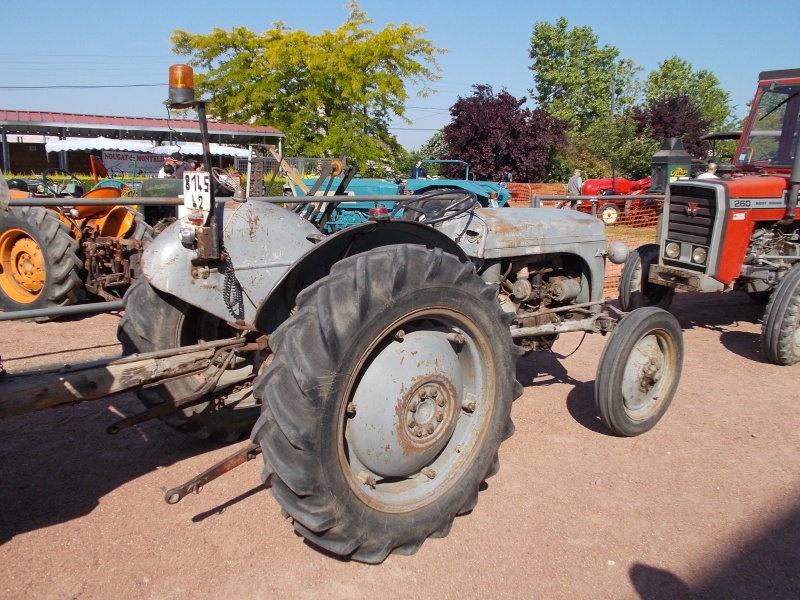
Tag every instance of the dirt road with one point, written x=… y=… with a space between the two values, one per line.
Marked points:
x=704 y=506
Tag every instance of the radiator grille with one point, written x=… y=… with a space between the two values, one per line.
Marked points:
x=692 y=217
x=685 y=227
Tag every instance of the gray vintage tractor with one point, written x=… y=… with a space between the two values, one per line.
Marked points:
x=374 y=368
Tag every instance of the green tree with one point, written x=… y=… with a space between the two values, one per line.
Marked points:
x=323 y=91
x=574 y=78
x=675 y=77
x=435 y=147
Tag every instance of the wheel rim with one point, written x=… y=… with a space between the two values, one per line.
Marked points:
x=419 y=406
x=609 y=215
x=648 y=374
x=23 y=272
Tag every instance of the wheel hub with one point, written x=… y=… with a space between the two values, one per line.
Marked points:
x=430 y=411
x=28 y=259
x=23 y=268
x=407 y=405
x=643 y=377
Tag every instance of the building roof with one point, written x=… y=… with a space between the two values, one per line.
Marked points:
x=24 y=122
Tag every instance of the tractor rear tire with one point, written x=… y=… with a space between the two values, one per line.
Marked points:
x=39 y=262
x=143 y=233
x=780 y=332
x=155 y=320
x=634 y=289
x=639 y=371
x=386 y=402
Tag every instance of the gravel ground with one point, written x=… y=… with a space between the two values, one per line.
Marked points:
x=703 y=506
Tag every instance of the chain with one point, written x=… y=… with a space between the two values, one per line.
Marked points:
x=232 y=289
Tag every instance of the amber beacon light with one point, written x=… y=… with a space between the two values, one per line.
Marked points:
x=181 y=84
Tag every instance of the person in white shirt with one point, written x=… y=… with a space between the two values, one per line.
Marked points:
x=711 y=172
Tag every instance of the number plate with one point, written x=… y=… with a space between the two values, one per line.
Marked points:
x=197 y=190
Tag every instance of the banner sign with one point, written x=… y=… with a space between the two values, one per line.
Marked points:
x=121 y=164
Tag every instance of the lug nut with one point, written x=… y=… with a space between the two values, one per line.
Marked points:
x=429 y=473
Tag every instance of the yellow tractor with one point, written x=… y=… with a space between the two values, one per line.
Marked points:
x=57 y=255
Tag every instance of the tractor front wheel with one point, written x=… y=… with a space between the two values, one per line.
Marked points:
x=39 y=262
x=386 y=402
x=639 y=371
x=780 y=333
x=634 y=289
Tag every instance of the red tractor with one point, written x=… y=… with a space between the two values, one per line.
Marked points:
x=740 y=231
x=613 y=210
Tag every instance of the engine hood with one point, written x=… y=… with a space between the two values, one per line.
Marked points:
x=511 y=232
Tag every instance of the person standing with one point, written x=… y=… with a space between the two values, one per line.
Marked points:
x=418 y=171
x=162 y=171
x=180 y=166
x=710 y=173
x=574 y=186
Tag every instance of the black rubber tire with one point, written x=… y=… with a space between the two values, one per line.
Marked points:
x=153 y=321
x=142 y=232
x=634 y=289
x=780 y=331
x=608 y=213
x=345 y=324
x=647 y=342
x=59 y=251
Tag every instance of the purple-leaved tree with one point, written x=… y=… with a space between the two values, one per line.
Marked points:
x=495 y=135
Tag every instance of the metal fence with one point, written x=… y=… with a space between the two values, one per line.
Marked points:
x=635 y=221
x=305 y=166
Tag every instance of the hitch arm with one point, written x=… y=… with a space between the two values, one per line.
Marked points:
x=196 y=484
x=26 y=392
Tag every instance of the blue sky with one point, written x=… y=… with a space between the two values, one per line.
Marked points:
x=57 y=43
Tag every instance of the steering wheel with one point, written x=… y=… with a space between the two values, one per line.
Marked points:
x=58 y=187
x=430 y=208
x=222 y=177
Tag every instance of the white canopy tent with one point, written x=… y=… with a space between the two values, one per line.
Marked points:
x=102 y=143
x=98 y=144
x=195 y=149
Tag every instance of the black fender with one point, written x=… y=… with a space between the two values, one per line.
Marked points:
x=317 y=262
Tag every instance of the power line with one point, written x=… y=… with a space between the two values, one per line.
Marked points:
x=78 y=87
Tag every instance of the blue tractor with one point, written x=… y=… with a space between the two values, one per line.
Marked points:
x=334 y=217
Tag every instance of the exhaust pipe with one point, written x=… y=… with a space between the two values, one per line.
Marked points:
x=791 y=201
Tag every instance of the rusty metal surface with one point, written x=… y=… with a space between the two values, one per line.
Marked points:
x=195 y=485
x=419 y=375
x=683 y=279
x=262 y=241
x=26 y=392
x=207 y=381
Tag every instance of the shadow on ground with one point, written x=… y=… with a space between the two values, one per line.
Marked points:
x=55 y=465
x=768 y=566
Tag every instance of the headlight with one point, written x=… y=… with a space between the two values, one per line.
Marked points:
x=699 y=256
x=673 y=250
